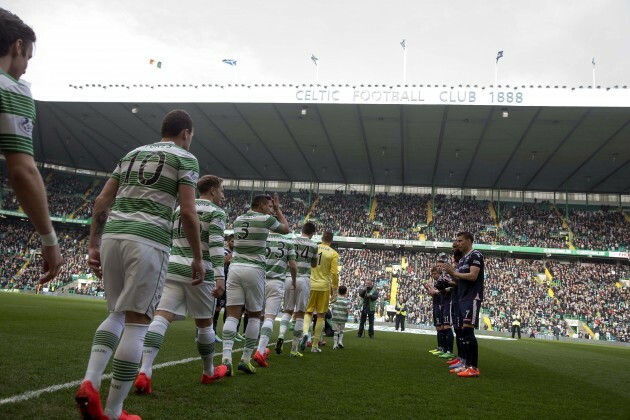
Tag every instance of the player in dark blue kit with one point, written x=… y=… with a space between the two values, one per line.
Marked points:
x=432 y=290
x=469 y=276
x=446 y=307
x=456 y=320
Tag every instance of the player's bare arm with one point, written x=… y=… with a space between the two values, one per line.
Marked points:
x=190 y=223
x=293 y=271
x=284 y=228
x=100 y=211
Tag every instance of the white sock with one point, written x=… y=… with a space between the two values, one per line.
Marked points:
x=153 y=341
x=126 y=360
x=284 y=324
x=265 y=335
x=341 y=337
x=298 y=332
x=229 y=332
x=205 y=347
x=251 y=337
x=103 y=345
x=335 y=339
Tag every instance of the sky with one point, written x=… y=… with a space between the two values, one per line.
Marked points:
x=448 y=42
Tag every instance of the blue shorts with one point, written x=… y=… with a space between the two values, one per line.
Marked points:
x=437 y=315
x=469 y=311
x=446 y=312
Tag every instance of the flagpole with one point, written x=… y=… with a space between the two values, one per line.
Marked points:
x=316 y=72
x=593 y=72
x=405 y=63
x=496 y=72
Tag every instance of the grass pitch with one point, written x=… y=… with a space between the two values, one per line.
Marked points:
x=45 y=341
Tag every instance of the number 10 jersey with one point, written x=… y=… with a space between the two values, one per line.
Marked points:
x=148 y=183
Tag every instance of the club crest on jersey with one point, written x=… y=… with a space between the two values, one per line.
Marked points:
x=26 y=126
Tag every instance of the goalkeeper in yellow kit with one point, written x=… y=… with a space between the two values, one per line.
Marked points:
x=324 y=283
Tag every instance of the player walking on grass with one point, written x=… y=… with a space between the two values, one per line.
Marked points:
x=324 y=283
x=340 y=311
x=17 y=118
x=470 y=278
x=281 y=257
x=295 y=300
x=180 y=297
x=246 y=280
x=132 y=257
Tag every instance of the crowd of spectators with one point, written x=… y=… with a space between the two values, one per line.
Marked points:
x=454 y=214
x=591 y=292
x=531 y=225
x=400 y=216
x=65 y=194
x=344 y=214
x=612 y=232
x=19 y=244
x=397 y=216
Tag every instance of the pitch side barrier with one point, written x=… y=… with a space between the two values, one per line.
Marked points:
x=434 y=245
x=62 y=219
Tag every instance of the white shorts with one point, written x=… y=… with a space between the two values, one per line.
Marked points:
x=179 y=298
x=297 y=299
x=274 y=292
x=246 y=286
x=338 y=326
x=133 y=275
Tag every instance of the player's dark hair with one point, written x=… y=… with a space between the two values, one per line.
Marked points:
x=207 y=182
x=343 y=290
x=259 y=200
x=309 y=228
x=327 y=237
x=466 y=235
x=176 y=121
x=13 y=28
x=229 y=237
x=435 y=269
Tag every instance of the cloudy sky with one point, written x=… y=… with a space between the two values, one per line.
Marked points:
x=455 y=41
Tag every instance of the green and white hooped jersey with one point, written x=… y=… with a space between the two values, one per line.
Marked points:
x=212 y=224
x=250 y=238
x=280 y=250
x=148 y=184
x=17 y=115
x=305 y=250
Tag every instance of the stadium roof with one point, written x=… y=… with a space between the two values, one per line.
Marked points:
x=558 y=139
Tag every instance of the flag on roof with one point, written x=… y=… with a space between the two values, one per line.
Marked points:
x=156 y=63
x=403 y=44
x=593 y=61
x=315 y=59
x=229 y=61
x=499 y=55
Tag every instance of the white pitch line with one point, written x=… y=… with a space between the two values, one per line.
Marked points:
x=34 y=394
